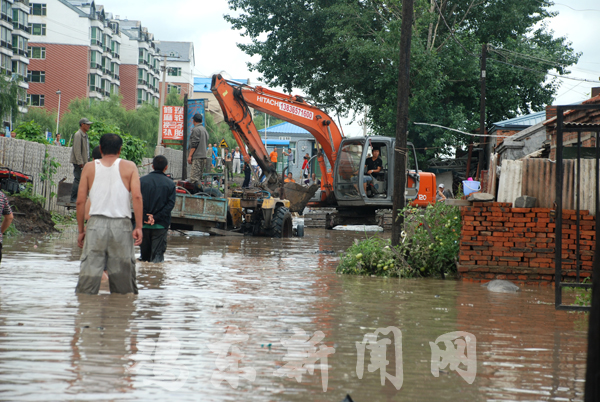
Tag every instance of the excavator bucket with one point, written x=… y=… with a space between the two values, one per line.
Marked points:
x=298 y=195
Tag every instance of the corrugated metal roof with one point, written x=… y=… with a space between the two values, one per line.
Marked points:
x=523 y=121
x=202 y=84
x=285 y=128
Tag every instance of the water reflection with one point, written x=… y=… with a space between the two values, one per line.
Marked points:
x=101 y=344
x=56 y=345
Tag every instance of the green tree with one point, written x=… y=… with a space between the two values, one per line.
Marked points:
x=345 y=54
x=173 y=98
x=133 y=148
x=30 y=131
x=141 y=123
x=45 y=118
x=9 y=98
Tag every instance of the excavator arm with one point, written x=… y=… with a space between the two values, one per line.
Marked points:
x=235 y=100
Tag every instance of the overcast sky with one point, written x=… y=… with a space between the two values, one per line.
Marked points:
x=215 y=42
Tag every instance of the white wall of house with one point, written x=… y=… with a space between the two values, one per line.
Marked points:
x=63 y=25
x=129 y=50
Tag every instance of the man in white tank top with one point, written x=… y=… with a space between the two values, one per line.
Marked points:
x=113 y=185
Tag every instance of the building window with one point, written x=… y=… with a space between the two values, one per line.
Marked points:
x=19 y=45
x=38 y=29
x=36 y=76
x=96 y=36
x=140 y=94
x=5 y=9
x=19 y=19
x=5 y=37
x=95 y=59
x=35 y=100
x=37 y=9
x=175 y=71
x=36 y=52
x=5 y=63
x=19 y=68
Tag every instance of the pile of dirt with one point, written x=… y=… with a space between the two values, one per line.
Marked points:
x=31 y=217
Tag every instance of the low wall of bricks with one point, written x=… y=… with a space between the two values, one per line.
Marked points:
x=518 y=244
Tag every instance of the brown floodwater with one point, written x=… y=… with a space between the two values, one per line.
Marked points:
x=208 y=324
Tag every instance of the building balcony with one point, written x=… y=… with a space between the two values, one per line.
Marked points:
x=96 y=42
x=25 y=2
x=21 y=27
x=5 y=17
x=20 y=52
x=115 y=55
x=5 y=44
x=95 y=66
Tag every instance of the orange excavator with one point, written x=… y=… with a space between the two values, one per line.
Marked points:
x=345 y=184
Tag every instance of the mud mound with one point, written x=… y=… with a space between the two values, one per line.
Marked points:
x=31 y=217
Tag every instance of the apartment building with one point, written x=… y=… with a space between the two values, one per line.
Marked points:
x=74 y=51
x=180 y=66
x=140 y=65
x=14 y=37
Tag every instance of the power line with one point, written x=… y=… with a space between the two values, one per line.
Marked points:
x=586 y=10
x=458 y=131
x=506 y=52
x=503 y=62
x=544 y=72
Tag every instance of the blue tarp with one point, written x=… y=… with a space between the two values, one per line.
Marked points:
x=276 y=142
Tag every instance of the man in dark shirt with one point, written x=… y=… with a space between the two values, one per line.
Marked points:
x=374 y=166
x=158 y=193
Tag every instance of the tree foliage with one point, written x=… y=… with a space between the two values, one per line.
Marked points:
x=141 y=123
x=344 y=55
x=9 y=98
x=45 y=118
x=132 y=149
x=30 y=131
x=173 y=98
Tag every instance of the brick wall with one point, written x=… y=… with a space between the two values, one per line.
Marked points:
x=518 y=244
x=66 y=68
x=128 y=75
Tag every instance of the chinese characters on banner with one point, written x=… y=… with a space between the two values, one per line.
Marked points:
x=172 y=123
x=158 y=359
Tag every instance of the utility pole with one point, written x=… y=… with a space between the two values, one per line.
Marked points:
x=486 y=143
x=58 y=115
x=163 y=95
x=400 y=152
x=185 y=138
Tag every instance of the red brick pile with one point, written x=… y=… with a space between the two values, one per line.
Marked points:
x=501 y=242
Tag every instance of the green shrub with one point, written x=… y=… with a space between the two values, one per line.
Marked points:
x=133 y=148
x=429 y=247
x=373 y=256
x=30 y=131
x=29 y=194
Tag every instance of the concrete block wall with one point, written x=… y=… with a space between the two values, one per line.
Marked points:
x=28 y=157
x=518 y=244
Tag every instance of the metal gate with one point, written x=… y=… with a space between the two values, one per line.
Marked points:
x=574 y=152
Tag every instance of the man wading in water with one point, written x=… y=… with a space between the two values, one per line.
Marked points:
x=108 y=240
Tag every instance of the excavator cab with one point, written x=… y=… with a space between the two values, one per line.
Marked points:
x=364 y=172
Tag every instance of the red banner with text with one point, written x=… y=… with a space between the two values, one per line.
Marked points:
x=172 y=123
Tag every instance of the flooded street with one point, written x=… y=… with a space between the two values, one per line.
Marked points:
x=219 y=308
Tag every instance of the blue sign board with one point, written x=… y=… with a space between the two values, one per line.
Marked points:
x=194 y=106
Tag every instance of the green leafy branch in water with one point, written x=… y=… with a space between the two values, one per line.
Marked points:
x=49 y=168
x=430 y=246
